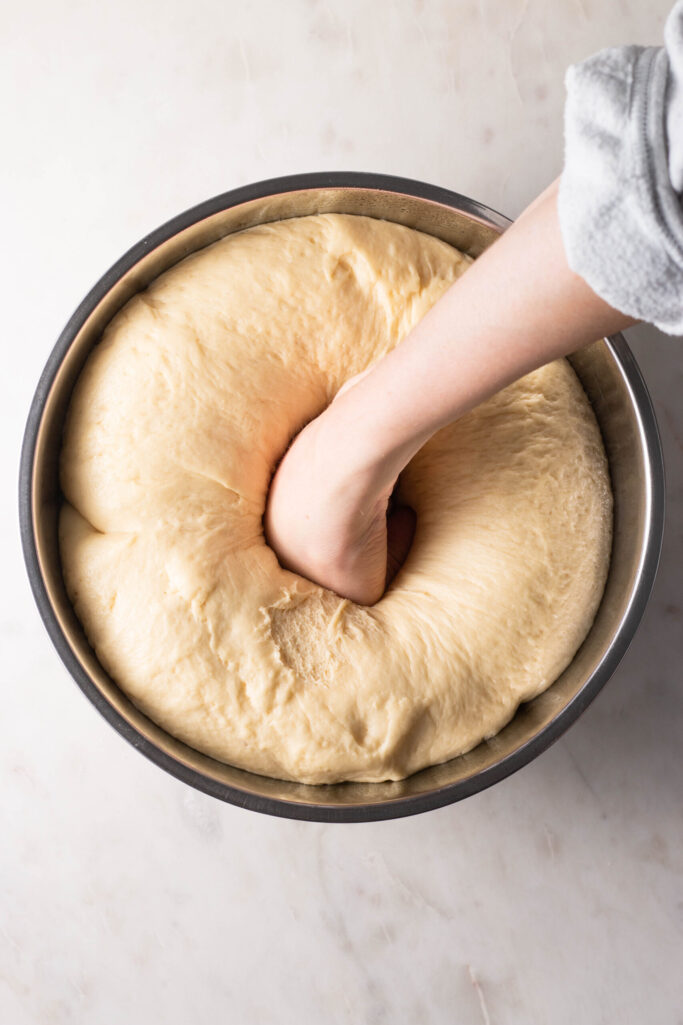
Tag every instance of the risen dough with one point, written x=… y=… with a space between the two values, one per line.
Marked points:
x=175 y=426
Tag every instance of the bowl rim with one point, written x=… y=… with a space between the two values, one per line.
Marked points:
x=320 y=811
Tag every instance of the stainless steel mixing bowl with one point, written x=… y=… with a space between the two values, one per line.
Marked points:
x=608 y=373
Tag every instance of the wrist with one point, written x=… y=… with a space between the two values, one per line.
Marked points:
x=364 y=441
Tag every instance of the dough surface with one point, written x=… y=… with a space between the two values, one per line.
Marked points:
x=175 y=426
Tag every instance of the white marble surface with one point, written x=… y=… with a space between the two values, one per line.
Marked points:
x=127 y=897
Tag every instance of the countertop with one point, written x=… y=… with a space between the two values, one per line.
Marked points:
x=125 y=896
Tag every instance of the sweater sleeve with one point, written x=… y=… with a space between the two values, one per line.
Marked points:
x=621 y=191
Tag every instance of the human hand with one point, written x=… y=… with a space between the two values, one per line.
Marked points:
x=330 y=514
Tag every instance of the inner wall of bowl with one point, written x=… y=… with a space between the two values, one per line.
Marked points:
x=600 y=375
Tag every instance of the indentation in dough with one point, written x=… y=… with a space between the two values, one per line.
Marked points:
x=358 y=729
x=419 y=731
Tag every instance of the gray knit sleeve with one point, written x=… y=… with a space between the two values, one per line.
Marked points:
x=621 y=191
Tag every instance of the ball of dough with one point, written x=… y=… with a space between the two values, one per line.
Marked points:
x=177 y=421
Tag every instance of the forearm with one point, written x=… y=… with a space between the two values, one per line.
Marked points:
x=519 y=306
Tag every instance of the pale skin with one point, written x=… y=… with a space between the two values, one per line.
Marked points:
x=328 y=514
